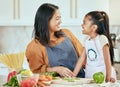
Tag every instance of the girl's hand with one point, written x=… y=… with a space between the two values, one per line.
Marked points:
x=110 y=80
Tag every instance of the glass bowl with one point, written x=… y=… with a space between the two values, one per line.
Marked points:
x=28 y=80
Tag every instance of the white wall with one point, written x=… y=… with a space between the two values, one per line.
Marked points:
x=15 y=38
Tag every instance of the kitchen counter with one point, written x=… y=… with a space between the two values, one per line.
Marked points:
x=82 y=85
x=117 y=84
x=89 y=85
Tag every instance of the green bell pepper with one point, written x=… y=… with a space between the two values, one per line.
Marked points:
x=99 y=77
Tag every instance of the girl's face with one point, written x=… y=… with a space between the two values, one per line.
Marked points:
x=87 y=26
x=54 y=23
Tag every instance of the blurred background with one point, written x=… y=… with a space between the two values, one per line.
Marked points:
x=17 y=20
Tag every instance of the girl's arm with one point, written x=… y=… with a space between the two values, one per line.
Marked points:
x=80 y=62
x=106 y=54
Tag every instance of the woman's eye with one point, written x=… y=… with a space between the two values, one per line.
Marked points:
x=58 y=18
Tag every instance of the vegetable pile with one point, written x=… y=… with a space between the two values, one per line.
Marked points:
x=53 y=74
x=47 y=79
x=12 y=80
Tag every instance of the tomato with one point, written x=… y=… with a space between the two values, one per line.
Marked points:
x=29 y=82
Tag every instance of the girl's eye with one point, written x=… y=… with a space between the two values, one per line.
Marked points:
x=57 y=18
x=83 y=21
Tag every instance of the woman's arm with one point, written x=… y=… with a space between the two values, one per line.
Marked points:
x=38 y=61
x=80 y=62
x=37 y=57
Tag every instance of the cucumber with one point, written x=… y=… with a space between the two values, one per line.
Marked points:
x=21 y=70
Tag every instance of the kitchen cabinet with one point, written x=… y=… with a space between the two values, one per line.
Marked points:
x=6 y=11
x=114 y=6
x=85 y=6
x=28 y=9
x=72 y=11
x=22 y=12
x=9 y=12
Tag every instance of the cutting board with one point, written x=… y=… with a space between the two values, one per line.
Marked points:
x=75 y=82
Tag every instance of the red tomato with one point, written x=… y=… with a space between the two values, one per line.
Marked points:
x=29 y=82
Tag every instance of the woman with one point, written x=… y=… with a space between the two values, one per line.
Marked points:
x=52 y=49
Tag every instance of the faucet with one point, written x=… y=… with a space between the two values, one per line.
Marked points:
x=118 y=41
x=118 y=38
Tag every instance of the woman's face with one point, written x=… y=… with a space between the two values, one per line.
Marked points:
x=87 y=25
x=54 y=23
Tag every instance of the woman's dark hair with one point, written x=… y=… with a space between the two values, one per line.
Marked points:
x=41 y=24
x=101 y=19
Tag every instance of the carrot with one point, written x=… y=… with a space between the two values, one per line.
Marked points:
x=48 y=77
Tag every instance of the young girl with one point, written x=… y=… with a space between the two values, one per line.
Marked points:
x=98 y=48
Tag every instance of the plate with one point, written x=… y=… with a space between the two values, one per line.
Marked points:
x=73 y=81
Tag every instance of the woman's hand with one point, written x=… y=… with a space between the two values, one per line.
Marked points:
x=64 y=72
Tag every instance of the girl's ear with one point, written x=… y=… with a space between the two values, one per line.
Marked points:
x=95 y=27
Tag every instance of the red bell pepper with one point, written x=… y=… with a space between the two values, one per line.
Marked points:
x=11 y=74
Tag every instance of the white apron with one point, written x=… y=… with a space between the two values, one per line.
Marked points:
x=95 y=58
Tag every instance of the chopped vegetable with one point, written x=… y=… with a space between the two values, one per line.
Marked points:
x=53 y=74
x=25 y=72
x=47 y=77
x=56 y=78
x=70 y=79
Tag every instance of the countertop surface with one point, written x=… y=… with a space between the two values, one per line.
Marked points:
x=116 y=84
x=89 y=85
x=82 y=85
